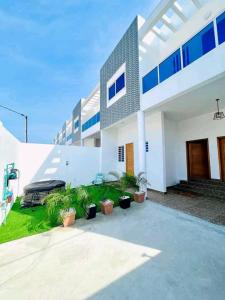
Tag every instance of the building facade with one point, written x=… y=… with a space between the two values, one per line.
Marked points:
x=153 y=110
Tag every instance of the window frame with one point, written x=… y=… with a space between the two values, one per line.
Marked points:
x=121 y=93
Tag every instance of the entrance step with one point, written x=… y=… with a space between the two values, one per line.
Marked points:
x=208 y=188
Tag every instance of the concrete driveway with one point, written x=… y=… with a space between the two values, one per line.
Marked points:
x=146 y=252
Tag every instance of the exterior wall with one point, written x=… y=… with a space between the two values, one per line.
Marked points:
x=195 y=74
x=125 y=52
x=9 y=146
x=108 y=150
x=159 y=50
x=155 y=162
x=198 y=128
x=189 y=78
x=90 y=131
x=51 y=163
x=170 y=151
x=76 y=136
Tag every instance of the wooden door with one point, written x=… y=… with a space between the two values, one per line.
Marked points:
x=130 y=159
x=198 y=159
x=221 y=148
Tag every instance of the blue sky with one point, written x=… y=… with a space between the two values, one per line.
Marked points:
x=51 y=52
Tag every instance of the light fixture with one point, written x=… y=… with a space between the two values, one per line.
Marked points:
x=219 y=115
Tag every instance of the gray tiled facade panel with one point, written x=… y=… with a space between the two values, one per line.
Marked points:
x=77 y=113
x=125 y=52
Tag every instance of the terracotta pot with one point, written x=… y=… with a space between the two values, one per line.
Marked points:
x=107 y=207
x=69 y=220
x=139 y=197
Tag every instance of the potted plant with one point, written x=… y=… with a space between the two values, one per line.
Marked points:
x=126 y=181
x=89 y=208
x=142 y=183
x=59 y=208
x=68 y=216
x=107 y=206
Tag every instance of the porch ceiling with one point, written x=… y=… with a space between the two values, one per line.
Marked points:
x=197 y=102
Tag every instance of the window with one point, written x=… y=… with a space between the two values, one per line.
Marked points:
x=121 y=153
x=220 y=21
x=146 y=147
x=150 y=80
x=120 y=83
x=199 y=45
x=76 y=124
x=91 y=122
x=112 y=91
x=170 y=66
x=116 y=87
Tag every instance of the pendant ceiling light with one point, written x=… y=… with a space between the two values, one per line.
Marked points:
x=219 y=115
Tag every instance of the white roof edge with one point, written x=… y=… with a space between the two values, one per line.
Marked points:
x=95 y=90
x=156 y=14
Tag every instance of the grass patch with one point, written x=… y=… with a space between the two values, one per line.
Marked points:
x=22 y=222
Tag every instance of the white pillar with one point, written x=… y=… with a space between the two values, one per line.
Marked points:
x=141 y=141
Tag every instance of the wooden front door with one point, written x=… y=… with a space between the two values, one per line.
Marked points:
x=130 y=159
x=221 y=148
x=198 y=159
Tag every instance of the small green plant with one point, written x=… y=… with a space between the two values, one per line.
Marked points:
x=54 y=203
x=83 y=197
x=128 y=181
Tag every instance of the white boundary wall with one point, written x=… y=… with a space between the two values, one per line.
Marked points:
x=73 y=164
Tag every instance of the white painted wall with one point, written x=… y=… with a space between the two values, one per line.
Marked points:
x=155 y=159
x=170 y=151
x=108 y=151
x=9 y=146
x=44 y=162
x=198 y=128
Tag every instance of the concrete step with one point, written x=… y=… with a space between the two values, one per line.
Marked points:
x=201 y=191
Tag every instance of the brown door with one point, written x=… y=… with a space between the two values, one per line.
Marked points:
x=221 y=148
x=130 y=159
x=198 y=159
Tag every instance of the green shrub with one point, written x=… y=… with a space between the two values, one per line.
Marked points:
x=54 y=203
x=128 y=181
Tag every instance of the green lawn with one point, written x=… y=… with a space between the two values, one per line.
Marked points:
x=23 y=222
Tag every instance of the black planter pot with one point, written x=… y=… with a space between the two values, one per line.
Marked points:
x=124 y=202
x=91 y=211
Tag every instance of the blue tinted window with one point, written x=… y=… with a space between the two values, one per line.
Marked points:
x=91 y=122
x=150 y=80
x=120 y=83
x=221 y=28
x=76 y=124
x=112 y=91
x=199 y=45
x=170 y=66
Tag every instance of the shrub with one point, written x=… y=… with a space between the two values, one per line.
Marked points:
x=55 y=202
x=128 y=181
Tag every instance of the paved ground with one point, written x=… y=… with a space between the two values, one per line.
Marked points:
x=209 y=209
x=146 y=252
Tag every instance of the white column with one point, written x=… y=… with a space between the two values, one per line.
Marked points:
x=141 y=141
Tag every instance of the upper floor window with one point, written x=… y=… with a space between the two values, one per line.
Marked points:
x=150 y=80
x=199 y=45
x=116 y=86
x=76 y=124
x=91 y=122
x=170 y=66
x=221 y=28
